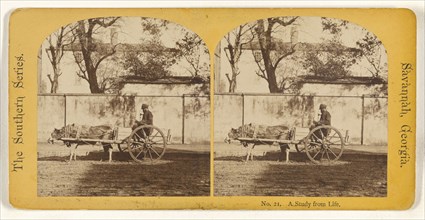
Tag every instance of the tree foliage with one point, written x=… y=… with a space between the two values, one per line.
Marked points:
x=371 y=49
x=330 y=60
x=368 y=47
x=153 y=27
x=150 y=61
x=333 y=26
x=191 y=48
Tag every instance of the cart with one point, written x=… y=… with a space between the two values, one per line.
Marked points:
x=322 y=144
x=144 y=142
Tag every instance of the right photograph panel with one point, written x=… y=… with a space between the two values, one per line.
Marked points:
x=300 y=109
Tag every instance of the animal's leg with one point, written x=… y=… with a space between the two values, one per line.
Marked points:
x=247 y=150
x=110 y=154
x=75 y=152
x=250 y=152
x=284 y=152
x=70 y=153
x=287 y=155
x=247 y=153
x=107 y=151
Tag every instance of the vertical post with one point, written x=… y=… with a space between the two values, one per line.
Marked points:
x=64 y=111
x=243 y=109
x=362 y=129
x=303 y=110
x=183 y=115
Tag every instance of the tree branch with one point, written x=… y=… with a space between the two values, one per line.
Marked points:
x=373 y=65
x=49 y=56
x=105 y=56
x=194 y=64
x=82 y=75
x=283 y=23
x=262 y=70
x=227 y=55
x=50 y=78
x=285 y=55
x=228 y=78
x=101 y=21
x=261 y=74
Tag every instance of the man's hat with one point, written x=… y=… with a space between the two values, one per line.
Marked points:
x=322 y=106
x=145 y=106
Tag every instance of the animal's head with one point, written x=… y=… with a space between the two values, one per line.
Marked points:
x=55 y=135
x=233 y=133
x=230 y=136
x=66 y=131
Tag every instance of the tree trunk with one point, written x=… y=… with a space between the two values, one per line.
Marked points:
x=55 y=83
x=91 y=70
x=271 y=78
x=91 y=73
x=265 y=41
x=86 y=41
x=270 y=71
x=233 y=81
x=264 y=35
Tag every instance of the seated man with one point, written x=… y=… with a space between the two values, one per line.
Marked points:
x=147 y=119
x=325 y=119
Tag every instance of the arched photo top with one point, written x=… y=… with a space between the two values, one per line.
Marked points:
x=124 y=55
x=289 y=54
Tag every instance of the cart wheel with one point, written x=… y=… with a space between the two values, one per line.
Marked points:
x=324 y=144
x=146 y=142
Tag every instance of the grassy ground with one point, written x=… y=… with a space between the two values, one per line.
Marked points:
x=178 y=173
x=356 y=173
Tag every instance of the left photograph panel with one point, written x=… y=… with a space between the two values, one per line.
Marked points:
x=123 y=110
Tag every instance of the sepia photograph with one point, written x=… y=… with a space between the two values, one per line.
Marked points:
x=300 y=109
x=123 y=109
x=251 y=109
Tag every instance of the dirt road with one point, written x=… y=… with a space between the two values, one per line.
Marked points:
x=355 y=174
x=178 y=173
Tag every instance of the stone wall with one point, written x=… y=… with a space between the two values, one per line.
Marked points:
x=56 y=110
x=300 y=111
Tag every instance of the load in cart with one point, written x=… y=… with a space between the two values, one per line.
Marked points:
x=321 y=144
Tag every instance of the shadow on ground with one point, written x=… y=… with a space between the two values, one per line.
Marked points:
x=178 y=173
x=355 y=174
